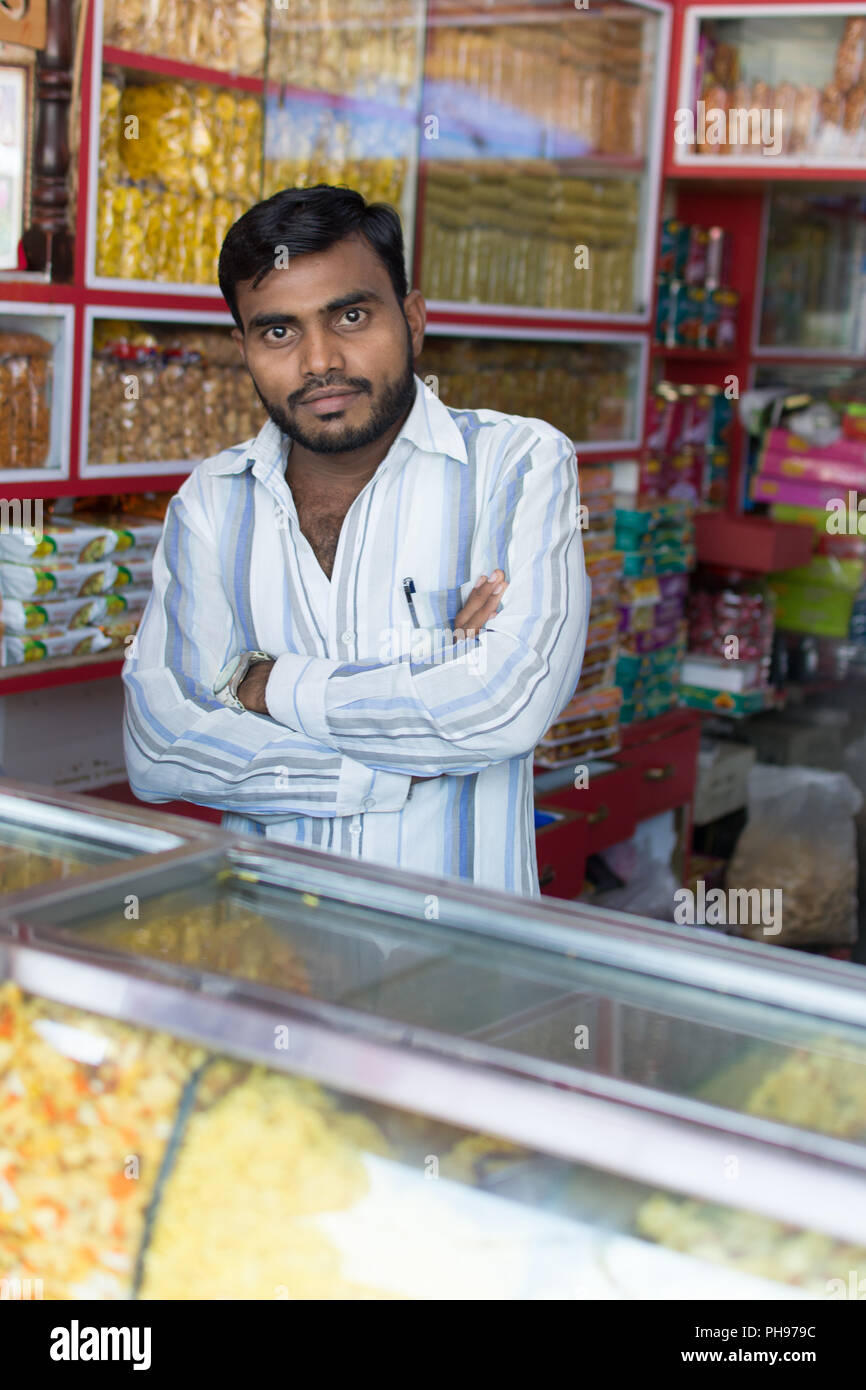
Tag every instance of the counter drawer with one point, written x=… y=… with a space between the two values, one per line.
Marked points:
x=665 y=773
x=608 y=804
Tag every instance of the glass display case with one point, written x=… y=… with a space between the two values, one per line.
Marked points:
x=35 y=390
x=164 y=390
x=46 y=836
x=538 y=178
x=176 y=162
x=285 y=1075
x=226 y=36
x=776 y=86
x=342 y=99
x=813 y=296
x=591 y=388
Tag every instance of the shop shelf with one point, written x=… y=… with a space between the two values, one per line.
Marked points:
x=514 y=153
x=178 y=71
x=160 y=470
x=53 y=322
x=61 y=670
x=690 y=354
x=798 y=51
x=566 y=354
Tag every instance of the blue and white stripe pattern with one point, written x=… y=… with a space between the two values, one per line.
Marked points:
x=361 y=699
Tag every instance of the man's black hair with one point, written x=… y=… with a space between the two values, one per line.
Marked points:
x=308 y=219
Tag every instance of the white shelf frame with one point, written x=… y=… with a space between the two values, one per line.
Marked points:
x=186 y=316
x=638 y=341
x=58 y=466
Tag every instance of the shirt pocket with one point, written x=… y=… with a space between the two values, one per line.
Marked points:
x=437 y=608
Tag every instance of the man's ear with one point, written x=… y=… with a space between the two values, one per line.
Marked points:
x=239 y=339
x=415 y=310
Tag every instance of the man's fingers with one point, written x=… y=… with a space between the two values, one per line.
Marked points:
x=477 y=611
x=478 y=600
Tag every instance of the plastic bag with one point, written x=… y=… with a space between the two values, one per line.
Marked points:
x=799 y=845
x=644 y=864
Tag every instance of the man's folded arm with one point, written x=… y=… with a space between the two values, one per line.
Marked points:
x=489 y=700
x=181 y=743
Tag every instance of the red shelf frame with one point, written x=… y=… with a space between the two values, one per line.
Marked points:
x=43 y=675
x=179 y=71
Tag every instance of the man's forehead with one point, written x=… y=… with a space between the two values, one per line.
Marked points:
x=291 y=269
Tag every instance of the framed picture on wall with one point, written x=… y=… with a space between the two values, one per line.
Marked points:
x=13 y=161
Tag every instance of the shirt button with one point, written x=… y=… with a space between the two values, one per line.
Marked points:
x=348 y=637
x=368 y=803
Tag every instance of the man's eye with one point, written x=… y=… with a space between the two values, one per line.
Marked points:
x=362 y=314
x=277 y=328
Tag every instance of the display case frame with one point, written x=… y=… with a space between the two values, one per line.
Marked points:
x=444 y=327
x=156 y=836
x=766 y=352
x=679 y=162
x=171 y=468
x=649 y=208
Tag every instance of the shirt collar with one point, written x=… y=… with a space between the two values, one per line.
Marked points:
x=429 y=426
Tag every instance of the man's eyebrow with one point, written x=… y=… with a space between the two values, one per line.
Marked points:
x=270 y=318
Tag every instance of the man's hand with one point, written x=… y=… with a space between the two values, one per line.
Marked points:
x=480 y=606
x=251 y=691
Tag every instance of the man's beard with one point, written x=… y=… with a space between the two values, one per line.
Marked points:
x=395 y=402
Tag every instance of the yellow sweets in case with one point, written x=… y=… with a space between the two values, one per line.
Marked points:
x=237 y=1217
x=160 y=145
x=129 y=229
x=226 y=34
x=81 y=1143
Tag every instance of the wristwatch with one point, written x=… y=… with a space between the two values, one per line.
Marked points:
x=228 y=681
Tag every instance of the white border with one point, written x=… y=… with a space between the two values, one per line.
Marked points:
x=57 y=468
x=685 y=96
x=182 y=315
x=565 y=335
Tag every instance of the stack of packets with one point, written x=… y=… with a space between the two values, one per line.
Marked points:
x=688 y=449
x=694 y=307
x=718 y=673
x=827 y=597
x=798 y=473
x=76 y=586
x=657 y=544
x=589 y=725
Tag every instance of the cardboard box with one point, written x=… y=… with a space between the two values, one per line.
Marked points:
x=852 y=451
x=722 y=782
x=809 y=608
x=736 y=703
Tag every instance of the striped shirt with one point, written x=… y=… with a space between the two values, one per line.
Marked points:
x=368 y=690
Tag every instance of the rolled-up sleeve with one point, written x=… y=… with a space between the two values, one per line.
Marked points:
x=492 y=698
x=180 y=742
